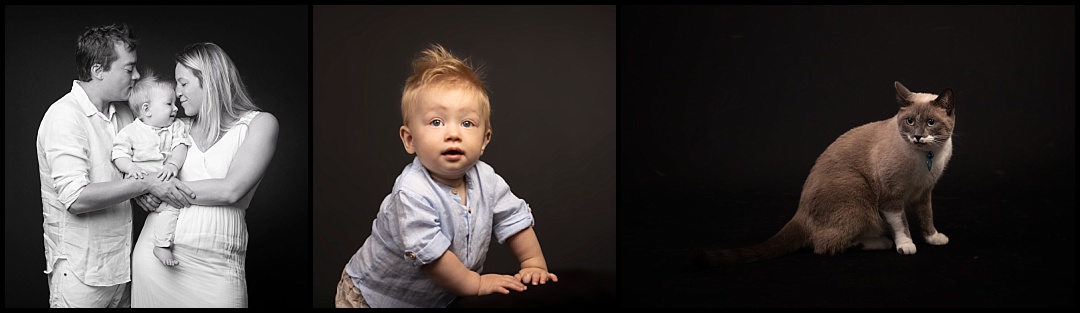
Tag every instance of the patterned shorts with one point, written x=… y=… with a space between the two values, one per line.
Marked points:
x=348 y=296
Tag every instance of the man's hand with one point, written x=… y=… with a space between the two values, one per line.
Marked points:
x=174 y=192
x=535 y=275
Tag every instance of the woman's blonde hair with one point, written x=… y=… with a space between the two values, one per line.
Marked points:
x=226 y=95
x=437 y=68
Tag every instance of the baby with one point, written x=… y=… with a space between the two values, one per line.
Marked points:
x=431 y=236
x=155 y=142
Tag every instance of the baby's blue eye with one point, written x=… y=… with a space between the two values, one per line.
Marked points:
x=466 y=124
x=436 y=123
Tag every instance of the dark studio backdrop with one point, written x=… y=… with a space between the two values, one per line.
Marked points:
x=550 y=71
x=270 y=47
x=723 y=111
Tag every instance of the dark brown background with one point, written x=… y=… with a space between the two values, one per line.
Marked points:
x=551 y=75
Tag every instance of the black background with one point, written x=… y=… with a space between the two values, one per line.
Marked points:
x=723 y=111
x=270 y=47
x=550 y=71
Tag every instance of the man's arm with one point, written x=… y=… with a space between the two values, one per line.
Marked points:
x=97 y=196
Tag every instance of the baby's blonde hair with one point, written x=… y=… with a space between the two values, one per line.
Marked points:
x=144 y=88
x=437 y=68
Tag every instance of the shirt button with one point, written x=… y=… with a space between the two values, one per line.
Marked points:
x=410 y=255
x=470 y=209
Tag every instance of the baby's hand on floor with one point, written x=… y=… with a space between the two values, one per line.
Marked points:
x=492 y=283
x=535 y=275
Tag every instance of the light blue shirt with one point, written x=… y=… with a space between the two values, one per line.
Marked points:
x=420 y=220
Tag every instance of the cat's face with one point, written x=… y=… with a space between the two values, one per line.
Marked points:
x=925 y=120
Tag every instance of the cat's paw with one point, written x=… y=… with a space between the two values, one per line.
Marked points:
x=937 y=239
x=905 y=248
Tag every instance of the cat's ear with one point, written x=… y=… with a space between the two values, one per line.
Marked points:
x=945 y=101
x=902 y=94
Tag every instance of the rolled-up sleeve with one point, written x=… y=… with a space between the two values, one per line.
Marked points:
x=65 y=152
x=414 y=220
x=510 y=214
x=180 y=134
x=122 y=145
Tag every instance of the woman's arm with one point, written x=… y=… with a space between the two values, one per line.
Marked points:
x=248 y=166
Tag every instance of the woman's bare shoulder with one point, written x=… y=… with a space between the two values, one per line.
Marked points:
x=264 y=120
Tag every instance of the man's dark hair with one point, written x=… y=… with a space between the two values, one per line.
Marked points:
x=96 y=46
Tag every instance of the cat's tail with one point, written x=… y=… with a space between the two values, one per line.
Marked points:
x=788 y=240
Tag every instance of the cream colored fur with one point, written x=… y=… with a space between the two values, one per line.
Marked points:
x=858 y=190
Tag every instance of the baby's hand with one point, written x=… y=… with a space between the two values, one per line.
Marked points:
x=167 y=172
x=535 y=275
x=136 y=175
x=492 y=283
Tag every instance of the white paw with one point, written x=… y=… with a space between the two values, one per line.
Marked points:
x=937 y=239
x=905 y=248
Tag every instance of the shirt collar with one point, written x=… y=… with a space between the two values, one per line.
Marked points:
x=140 y=123
x=470 y=176
x=87 y=106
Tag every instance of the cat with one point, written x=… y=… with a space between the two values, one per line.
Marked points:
x=858 y=189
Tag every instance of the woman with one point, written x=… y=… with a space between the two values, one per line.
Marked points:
x=233 y=142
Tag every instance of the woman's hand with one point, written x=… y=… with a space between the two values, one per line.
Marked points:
x=535 y=275
x=174 y=192
x=148 y=202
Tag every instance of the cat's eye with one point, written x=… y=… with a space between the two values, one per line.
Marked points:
x=910 y=121
x=930 y=122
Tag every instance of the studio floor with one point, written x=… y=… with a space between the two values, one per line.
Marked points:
x=1004 y=251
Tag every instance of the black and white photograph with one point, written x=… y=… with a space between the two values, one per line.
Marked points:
x=172 y=156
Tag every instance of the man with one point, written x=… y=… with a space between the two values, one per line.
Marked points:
x=84 y=197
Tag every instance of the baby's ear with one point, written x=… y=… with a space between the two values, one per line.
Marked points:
x=406 y=139
x=487 y=140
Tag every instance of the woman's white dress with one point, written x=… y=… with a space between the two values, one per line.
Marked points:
x=210 y=241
